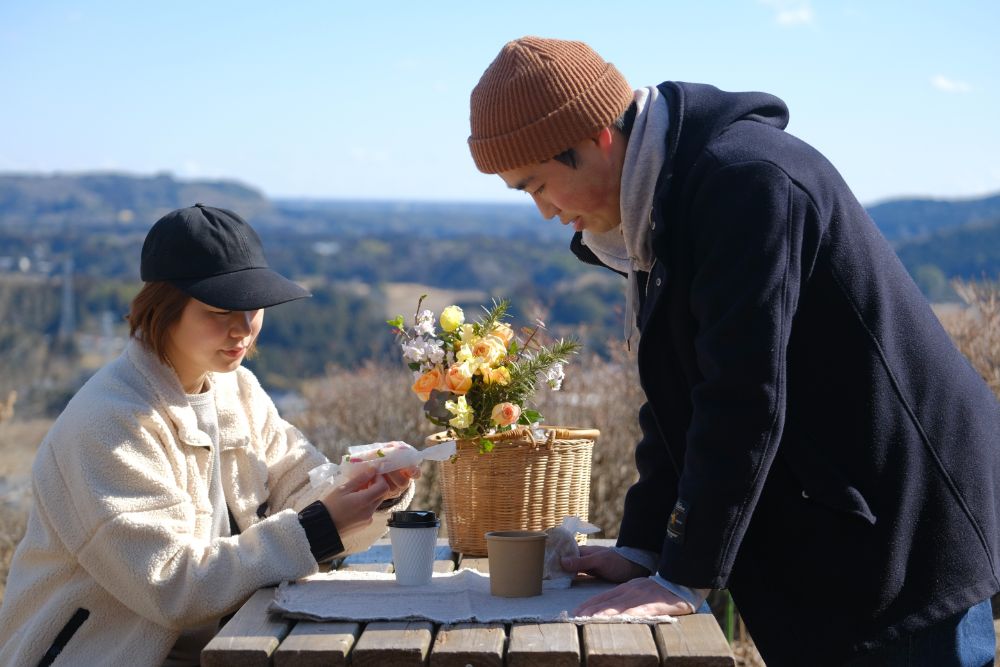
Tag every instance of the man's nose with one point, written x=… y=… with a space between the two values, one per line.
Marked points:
x=546 y=208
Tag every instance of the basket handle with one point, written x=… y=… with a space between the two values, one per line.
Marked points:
x=565 y=433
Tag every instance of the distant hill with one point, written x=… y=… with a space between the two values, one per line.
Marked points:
x=913 y=219
x=937 y=240
x=421 y=219
x=109 y=199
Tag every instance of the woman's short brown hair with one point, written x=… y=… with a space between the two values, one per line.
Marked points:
x=156 y=308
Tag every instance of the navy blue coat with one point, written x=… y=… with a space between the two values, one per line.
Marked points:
x=812 y=439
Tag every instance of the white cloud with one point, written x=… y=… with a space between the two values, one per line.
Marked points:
x=943 y=83
x=791 y=12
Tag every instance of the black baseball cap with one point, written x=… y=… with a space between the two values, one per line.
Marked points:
x=213 y=255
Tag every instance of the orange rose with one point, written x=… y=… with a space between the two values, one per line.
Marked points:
x=505 y=414
x=429 y=381
x=458 y=378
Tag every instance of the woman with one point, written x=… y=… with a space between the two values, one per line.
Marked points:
x=170 y=489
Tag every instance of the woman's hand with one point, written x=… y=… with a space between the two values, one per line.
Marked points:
x=352 y=505
x=399 y=480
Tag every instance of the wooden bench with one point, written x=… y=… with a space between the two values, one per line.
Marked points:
x=255 y=637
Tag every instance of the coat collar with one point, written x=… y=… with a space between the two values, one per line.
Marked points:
x=171 y=399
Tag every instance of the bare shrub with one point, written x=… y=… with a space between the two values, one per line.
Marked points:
x=976 y=328
x=371 y=404
x=13 y=521
x=602 y=393
x=19 y=440
x=375 y=404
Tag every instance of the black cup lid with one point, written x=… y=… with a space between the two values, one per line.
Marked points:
x=413 y=519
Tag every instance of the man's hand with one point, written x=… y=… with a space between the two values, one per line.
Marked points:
x=638 y=597
x=605 y=563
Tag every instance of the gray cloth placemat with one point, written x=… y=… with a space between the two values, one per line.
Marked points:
x=450 y=598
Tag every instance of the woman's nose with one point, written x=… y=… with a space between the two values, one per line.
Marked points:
x=242 y=323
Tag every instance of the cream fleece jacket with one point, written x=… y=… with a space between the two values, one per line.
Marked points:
x=121 y=521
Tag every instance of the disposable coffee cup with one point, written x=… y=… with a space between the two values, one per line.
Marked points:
x=516 y=561
x=413 y=534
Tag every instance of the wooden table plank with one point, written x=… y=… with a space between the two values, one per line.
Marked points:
x=619 y=645
x=996 y=630
x=462 y=644
x=481 y=564
x=385 y=568
x=381 y=552
x=444 y=566
x=694 y=641
x=250 y=636
x=393 y=643
x=312 y=644
x=549 y=644
x=378 y=558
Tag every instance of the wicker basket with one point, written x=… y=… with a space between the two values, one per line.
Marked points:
x=523 y=484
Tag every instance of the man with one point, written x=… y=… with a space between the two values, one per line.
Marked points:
x=812 y=440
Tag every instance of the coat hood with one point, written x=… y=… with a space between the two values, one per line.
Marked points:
x=699 y=113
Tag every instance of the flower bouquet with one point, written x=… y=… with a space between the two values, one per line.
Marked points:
x=477 y=380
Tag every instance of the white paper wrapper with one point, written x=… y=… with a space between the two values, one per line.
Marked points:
x=561 y=542
x=382 y=457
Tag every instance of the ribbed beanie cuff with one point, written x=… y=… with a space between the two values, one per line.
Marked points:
x=540 y=97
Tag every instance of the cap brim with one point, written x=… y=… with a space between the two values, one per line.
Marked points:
x=249 y=289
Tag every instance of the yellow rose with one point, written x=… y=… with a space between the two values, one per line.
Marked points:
x=500 y=375
x=490 y=350
x=504 y=333
x=452 y=317
x=505 y=414
x=432 y=379
x=458 y=379
x=463 y=413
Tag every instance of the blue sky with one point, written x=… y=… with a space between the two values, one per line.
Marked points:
x=370 y=99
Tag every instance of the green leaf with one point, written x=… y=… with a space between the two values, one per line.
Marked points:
x=529 y=417
x=513 y=348
x=379 y=453
x=396 y=322
x=485 y=446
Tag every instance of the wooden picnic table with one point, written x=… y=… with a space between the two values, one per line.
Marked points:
x=254 y=636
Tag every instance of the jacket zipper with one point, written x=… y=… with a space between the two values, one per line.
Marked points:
x=64 y=636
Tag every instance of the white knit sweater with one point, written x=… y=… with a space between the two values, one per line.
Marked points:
x=121 y=521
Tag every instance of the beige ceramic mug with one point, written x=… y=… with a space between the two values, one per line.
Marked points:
x=516 y=562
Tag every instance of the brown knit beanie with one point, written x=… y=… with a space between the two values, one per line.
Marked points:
x=540 y=97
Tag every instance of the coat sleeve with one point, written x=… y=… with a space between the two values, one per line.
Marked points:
x=644 y=521
x=746 y=228
x=115 y=500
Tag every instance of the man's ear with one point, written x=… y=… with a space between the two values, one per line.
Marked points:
x=604 y=139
